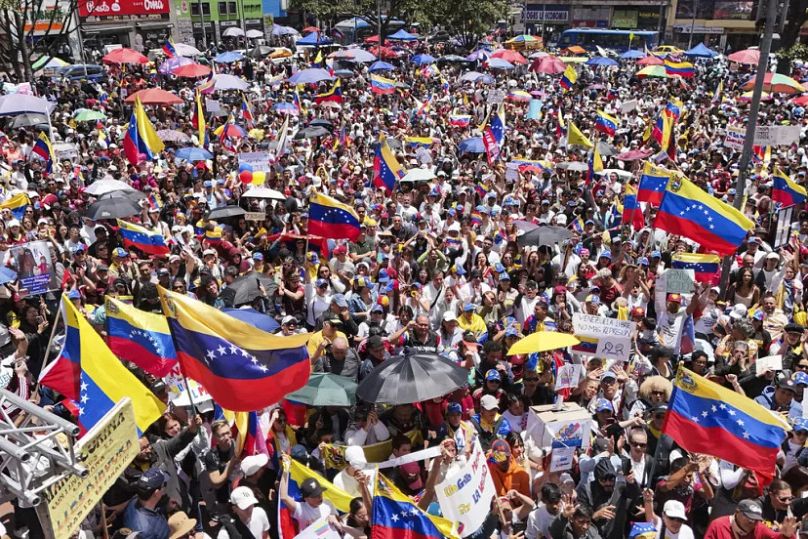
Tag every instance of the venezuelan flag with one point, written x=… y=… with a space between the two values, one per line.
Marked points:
x=785 y=190
x=662 y=129
x=329 y=218
x=141 y=138
x=705 y=267
x=532 y=165
x=63 y=374
x=395 y=516
x=419 y=142
x=242 y=367
x=460 y=120
x=105 y=381
x=140 y=337
x=246 y=111
x=681 y=69
x=198 y=120
x=150 y=242
x=493 y=131
x=688 y=211
x=386 y=168
x=381 y=85
x=245 y=429
x=333 y=95
x=578 y=225
x=17 y=204
x=704 y=417
x=594 y=165
x=44 y=150
x=632 y=214
x=568 y=78
x=606 y=124
x=653 y=182
x=168 y=49
x=587 y=345
x=674 y=109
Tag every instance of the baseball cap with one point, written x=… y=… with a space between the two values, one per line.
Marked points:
x=751 y=509
x=675 y=298
x=355 y=456
x=674 y=509
x=449 y=316
x=800 y=378
x=151 y=479
x=320 y=283
x=74 y=294
x=801 y=425
x=608 y=374
x=468 y=307
x=788 y=384
x=243 y=497
x=606 y=254
x=287 y=319
x=310 y=488
x=377 y=309
x=258 y=256
x=489 y=402
x=413 y=468
x=207 y=252
x=253 y=463
x=455 y=408
x=340 y=300
x=603 y=405
x=492 y=375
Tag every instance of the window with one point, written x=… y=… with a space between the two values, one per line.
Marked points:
x=233 y=8
x=222 y=8
x=195 y=8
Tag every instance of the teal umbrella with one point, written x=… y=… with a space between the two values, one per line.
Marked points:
x=326 y=389
x=88 y=115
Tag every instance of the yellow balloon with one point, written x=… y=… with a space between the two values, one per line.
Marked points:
x=259 y=177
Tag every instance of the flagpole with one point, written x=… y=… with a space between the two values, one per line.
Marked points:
x=50 y=340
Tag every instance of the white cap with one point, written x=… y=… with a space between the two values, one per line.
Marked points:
x=355 y=456
x=561 y=219
x=243 y=497
x=674 y=509
x=454 y=227
x=449 y=316
x=489 y=402
x=207 y=252
x=773 y=256
x=253 y=463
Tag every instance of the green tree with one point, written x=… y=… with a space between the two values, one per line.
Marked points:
x=469 y=20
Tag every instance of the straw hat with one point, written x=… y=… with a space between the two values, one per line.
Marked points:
x=179 y=525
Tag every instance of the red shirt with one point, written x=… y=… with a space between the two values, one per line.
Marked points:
x=720 y=529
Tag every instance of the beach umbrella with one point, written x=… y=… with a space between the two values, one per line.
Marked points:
x=411 y=378
x=354 y=23
x=800 y=101
x=479 y=54
x=192 y=71
x=225 y=81
x=574 y=166
x=403 y=35
x=549 y=65
x=155 y=96
x=701 y=51
x=386 y=52
x=544 y=235
x=538 y=54
x=343 y=74
x=186 y=50
x=233 y=31
x=245 y=288
x=29 y=119
x=747 y=96
x=542 y=341
x=311 y=75
x=225 y=212
x=510 y=56
x=326 y=389
x=499 y=63
x=13 y=104
x=422 y=59
x=280 y=52
x=653 y=71
x=360 y=56
x=124 y=56
x=321 y=122
x=575 y=49
x=634 y=155
x=88 y=115
x=172 y=135
x=777 y=83
x=193 y=154
x=380 y=66
x=260 y=51
x=114 y=206
x=650 y=60
x=310 y=29
x=228 y=57
x=601 y=61
x=632 y=54
x=107 y=185
x=312 y=132
x=418 y=175
x=472 y=145
x=521 y=41
x=262 y=321
x=265 y=193
x=167 y=67
x=471 y=76
x=747 y=57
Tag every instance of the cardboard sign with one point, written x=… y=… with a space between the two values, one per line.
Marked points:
x=255 y=216
x=212 y=105
x=66 y=151
x=258 y=161
x=601 y=326
x=568 y=376
x=680 y=281
x=773 y=363
x=495 y=97
x=611 y=348
x=735 y=137
x=465 y=496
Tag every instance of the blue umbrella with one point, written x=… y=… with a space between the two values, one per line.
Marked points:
x=311 y=75
x=380 y=66
x=472 y=145
x=254 y=318
x=228 y=57
x=403 y=35
x=7 y=275
x=601 y=61
x=344 y=73
x=313 y=39
x=701 y=51
x=499 y=63
x=479 y=54
x=288 y=108
x=632 y=54
x=193 y=154
x=422 y=59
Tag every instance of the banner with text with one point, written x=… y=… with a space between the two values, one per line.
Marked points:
x=465 y=497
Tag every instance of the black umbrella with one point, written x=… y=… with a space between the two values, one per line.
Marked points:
x=112 y=207
x=226 y=211
x=245 y=288
x=411 y=378
x=544 y=235
x=321 y=122
x=312 y=132
x=134 y=196
x=260 y=51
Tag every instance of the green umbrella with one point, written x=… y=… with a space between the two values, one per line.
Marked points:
x=326 y=389
x=88 y=115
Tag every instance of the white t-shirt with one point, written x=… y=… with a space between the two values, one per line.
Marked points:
x=305 y=514
x=258 y=524
x=684 y=532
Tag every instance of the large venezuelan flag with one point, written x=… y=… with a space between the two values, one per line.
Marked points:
x=140 y=337
x=705 y=267
x=605 y=123
x=704 y=417
x=242 y=367
x=330 y=218
x=494 y=133
x=688 y=211
x=382 y=85
x=17 y=204
x=785 y=190
x=148 y=241
x=395 y=516
x=386 y=168
x=681 y=69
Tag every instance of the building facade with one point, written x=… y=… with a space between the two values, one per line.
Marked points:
x=204 y=22
x=139 y=24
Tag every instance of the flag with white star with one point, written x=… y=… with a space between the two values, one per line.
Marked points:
x=242 y=367
x=330 y=218
x=652 y=185
x=704 y=417
x=395 y=516
x=140 y=337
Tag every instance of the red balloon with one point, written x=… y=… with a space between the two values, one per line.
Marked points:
x=245 y=176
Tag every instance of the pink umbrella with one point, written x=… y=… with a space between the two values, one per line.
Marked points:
x=549 y=65
x=634 y=155
x=192 y=71
x=173 y=63
x=800 y=101
x=650 y=60
x=509 y=55
x=124 y=56
x=748 y=56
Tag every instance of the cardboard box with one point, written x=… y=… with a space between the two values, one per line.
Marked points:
x=567 y=425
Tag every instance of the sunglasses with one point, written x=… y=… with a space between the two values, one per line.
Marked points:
x=638 y=445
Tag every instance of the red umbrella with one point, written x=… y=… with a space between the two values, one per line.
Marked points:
x=387 y=52
x=375 y=39
x=549 y=65
x=509 y=55
x=155 y=96
x=650 y=60
x=800 y=101
x=192 y=71
x=124 y=56
x=634 y=155
x=310 y=29
x=748 y=56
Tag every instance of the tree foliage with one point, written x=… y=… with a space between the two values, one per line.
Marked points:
x=468 y=19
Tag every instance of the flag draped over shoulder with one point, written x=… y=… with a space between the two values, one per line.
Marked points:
x=242 y=367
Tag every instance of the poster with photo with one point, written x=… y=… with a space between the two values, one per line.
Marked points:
x=32 y=262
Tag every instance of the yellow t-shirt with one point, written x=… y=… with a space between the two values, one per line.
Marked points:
x=317 y=338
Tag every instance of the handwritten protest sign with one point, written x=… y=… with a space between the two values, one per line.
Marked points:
x=773 y=363
x=617 y=349
x=465 y=497
x=680 y=281
x=600 y=326
x=561 y=458
x=568 y=376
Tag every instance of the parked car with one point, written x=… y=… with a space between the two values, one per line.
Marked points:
x=91 y=72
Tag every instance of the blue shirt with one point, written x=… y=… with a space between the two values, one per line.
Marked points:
x=150 y=524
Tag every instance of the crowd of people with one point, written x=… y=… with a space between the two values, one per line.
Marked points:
x=437 y=269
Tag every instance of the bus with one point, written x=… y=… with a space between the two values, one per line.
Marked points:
x=608 y=39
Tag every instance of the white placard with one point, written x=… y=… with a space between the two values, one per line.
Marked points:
x=495 y=97
x=735 y=137
x=680 y=281
x=601 y=326
x=319 y=529
x=568 y=376
x=773 y=363
x=611 y=348
x=212 y=105
x=65 y=151
x=628 y=106
x=561 y=458
x=465 y=497
x=259 y=161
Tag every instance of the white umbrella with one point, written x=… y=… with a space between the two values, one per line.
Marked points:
x=186 y=50
x=20 y=103
x=264 y=192
x=252 y=34
x=233 y=31
x=107 y=185
x=224 y=81
x=418 y=175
